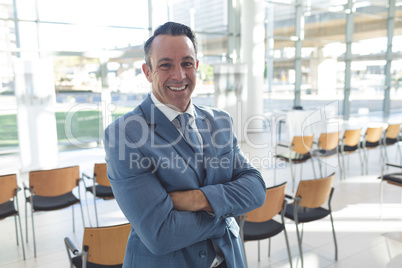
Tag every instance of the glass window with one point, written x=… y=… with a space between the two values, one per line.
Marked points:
x=6 y=10
x=200 y=15
x=396 y=66
x=56 y=37
x=280 y=72
x=94 y=12
x=369 y=50
x=8 y=104
x=26 y=10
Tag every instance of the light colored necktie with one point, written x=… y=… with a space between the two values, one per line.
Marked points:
x=189 y=133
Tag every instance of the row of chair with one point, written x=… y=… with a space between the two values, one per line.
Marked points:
x=50 y=190
x=307 y=206
x=302 y=148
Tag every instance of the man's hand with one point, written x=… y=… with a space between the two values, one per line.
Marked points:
x=192 y=200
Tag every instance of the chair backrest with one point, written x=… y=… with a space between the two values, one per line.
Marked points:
x=100 y=173
x=329 y=141
x=351 y=137
x=8 y=185
x=272 y=206
x=373 y=134
x=393 y=131
x=302 y=144
x=106 y=245
x=314 y=193
x=54 y=182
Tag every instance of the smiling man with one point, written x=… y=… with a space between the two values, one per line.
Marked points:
x=176 y=169
x=172 y=70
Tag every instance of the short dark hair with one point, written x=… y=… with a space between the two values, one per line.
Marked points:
x=169 y=28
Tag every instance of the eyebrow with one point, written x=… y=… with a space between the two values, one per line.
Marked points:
x=164 y=59
x=170 y=60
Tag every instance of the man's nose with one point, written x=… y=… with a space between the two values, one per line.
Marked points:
x=178 y=73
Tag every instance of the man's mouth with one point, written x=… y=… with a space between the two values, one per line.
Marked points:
x=177 y=88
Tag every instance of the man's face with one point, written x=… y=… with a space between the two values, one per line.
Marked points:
x=174 y=68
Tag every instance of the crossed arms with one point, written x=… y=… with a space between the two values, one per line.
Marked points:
x=169 y=221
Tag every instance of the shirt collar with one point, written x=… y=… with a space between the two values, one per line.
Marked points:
x=170 y=113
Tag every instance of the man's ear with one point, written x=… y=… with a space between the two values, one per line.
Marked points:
x=147 y=71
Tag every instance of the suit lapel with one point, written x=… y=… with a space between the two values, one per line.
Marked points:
x=204 y=127
x=167 y=131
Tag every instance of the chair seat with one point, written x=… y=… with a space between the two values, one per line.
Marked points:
x=370 y=144
x=261 y=230
x=389 y=141
x=348 y=149
x=102 y=191
x=324 y=153
x=77 y=262
x=306 y=214
x=295 y=157
x=393 y=178
x=46 y=203
x=7 y=209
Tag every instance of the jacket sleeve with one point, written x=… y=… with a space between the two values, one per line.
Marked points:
x=147 y=205
x=244 y=191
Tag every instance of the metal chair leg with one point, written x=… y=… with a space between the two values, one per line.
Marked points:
x=333 y=233
x=301 y=171
x=22 y=240
x=312 y=163
x=287 y=247
x=319 y=166
x=292 y=175
x=89 y=213
x=269 y=247
x=72 y=209
x=16 y=228
x=299 y=239
x=33 y=227
x=361 y=163
x=341 y=163
x=26 y=222
x=96 y=212
x=300 y=246
x=367 y=161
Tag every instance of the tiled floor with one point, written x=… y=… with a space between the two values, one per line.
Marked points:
x=367 y=235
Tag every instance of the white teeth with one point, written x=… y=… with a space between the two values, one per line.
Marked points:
x=177 y=88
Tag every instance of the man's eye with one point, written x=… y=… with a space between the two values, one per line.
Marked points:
x=187 y=64
x=165 y=65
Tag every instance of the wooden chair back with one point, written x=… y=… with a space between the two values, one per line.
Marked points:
x=314 y=193
x=8 y=185
x=106 y=245
x=329 y=141
x=100 y=173
x=351 y=137
x=302 y=144
x=393 y=131
x=373 y=134
x=272 y=206
x=54 y=182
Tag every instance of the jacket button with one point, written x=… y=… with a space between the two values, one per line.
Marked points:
x=202 y=254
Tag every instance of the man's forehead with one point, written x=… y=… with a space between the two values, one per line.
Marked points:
x=170 y=48
x=172 y=43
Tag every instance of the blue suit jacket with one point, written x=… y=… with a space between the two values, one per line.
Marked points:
x=147 y=159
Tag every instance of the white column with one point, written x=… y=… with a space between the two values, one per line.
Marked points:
x=323 y=74
x=252 y=53
x=36 y=118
